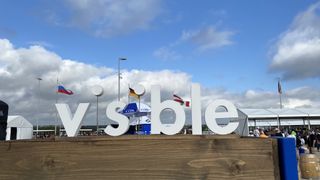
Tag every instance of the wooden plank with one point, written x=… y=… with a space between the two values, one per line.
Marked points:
x=140 y=157
x=276 y=159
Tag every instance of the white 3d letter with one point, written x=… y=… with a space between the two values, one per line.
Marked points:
x=196 y=109
x=122 y=120
x=72 y=125
x=211 y=115
x=157 y=107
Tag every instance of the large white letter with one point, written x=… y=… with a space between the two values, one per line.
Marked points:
x=211 y=115
x=157 y=107
x=196 y=109
x=72 y=125
x=122 y=120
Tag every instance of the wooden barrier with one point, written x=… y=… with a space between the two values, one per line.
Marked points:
x=310 y=166
x=141 y=157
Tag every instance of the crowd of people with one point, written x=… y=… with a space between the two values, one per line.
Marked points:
x=303 y=137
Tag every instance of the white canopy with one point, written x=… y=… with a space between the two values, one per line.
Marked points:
x=285 y=113
x=287 y=117
x=140 y=120
x=258 y=113
x=18 y=121
x=24 y=128
x=136 y=109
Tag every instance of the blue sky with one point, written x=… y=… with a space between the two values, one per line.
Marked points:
x=235 y=47
x=255 y=24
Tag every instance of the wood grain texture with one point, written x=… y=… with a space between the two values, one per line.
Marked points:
x=140 y=157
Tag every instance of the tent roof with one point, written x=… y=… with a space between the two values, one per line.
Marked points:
x=136 y=109
x=289 y=112
x=258 y=113
x=284 y=113
x=313 y=112
x=140 y=120
x=18 y=121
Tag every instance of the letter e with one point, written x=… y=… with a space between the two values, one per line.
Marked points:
x=211 y=115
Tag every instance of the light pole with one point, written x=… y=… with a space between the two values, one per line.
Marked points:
x=120 y=59
x=39 y=79
x=97 y=91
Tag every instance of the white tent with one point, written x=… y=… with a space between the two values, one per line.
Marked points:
x=281 y=117
x=18 y=128
x=140 y=120
x=135 y=109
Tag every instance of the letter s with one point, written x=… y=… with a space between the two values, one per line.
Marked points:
x=122 y=120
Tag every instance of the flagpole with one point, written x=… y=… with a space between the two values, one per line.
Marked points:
x=97 y=115
x=128 y=93
x=129 y=98
x=55 y=124
x=57 y=98
x=97 y=91
x=280 y=100
x=280 y=92
x=139 y=112
x=39 y=79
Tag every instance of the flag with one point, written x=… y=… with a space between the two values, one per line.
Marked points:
x=279 y=87
x=178 y=99
x=63 y=90
x=181 y=101
x=187 y=103
x=133 y=94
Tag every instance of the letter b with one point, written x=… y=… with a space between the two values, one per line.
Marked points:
x=157 y=107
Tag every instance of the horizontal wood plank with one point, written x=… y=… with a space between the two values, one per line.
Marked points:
x=140 y=157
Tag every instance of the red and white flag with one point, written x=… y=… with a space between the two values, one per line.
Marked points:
x=181 y=101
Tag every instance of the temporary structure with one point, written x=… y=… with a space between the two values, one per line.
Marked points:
x=136 y=109
x=280 y=118
x=18 y=128
x=139 y=115
x=140 y=120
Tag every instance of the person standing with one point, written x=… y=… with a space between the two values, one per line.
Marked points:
x=318 y=140
x=302 y=141
x=256 y=133
x=311 y=140
x=263 y=134
x=278 y=133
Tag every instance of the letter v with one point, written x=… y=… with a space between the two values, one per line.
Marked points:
x=72 y=125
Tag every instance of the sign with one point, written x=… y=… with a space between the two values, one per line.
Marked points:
x=72 y=123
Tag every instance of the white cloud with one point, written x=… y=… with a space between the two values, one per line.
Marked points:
x=21 y=66
x=19 y=88
x=297 y=53
x=108 y=18
x=292 y=98
x=40 y=43
x=203 y=39
x=296 y=103
x=208 y=38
